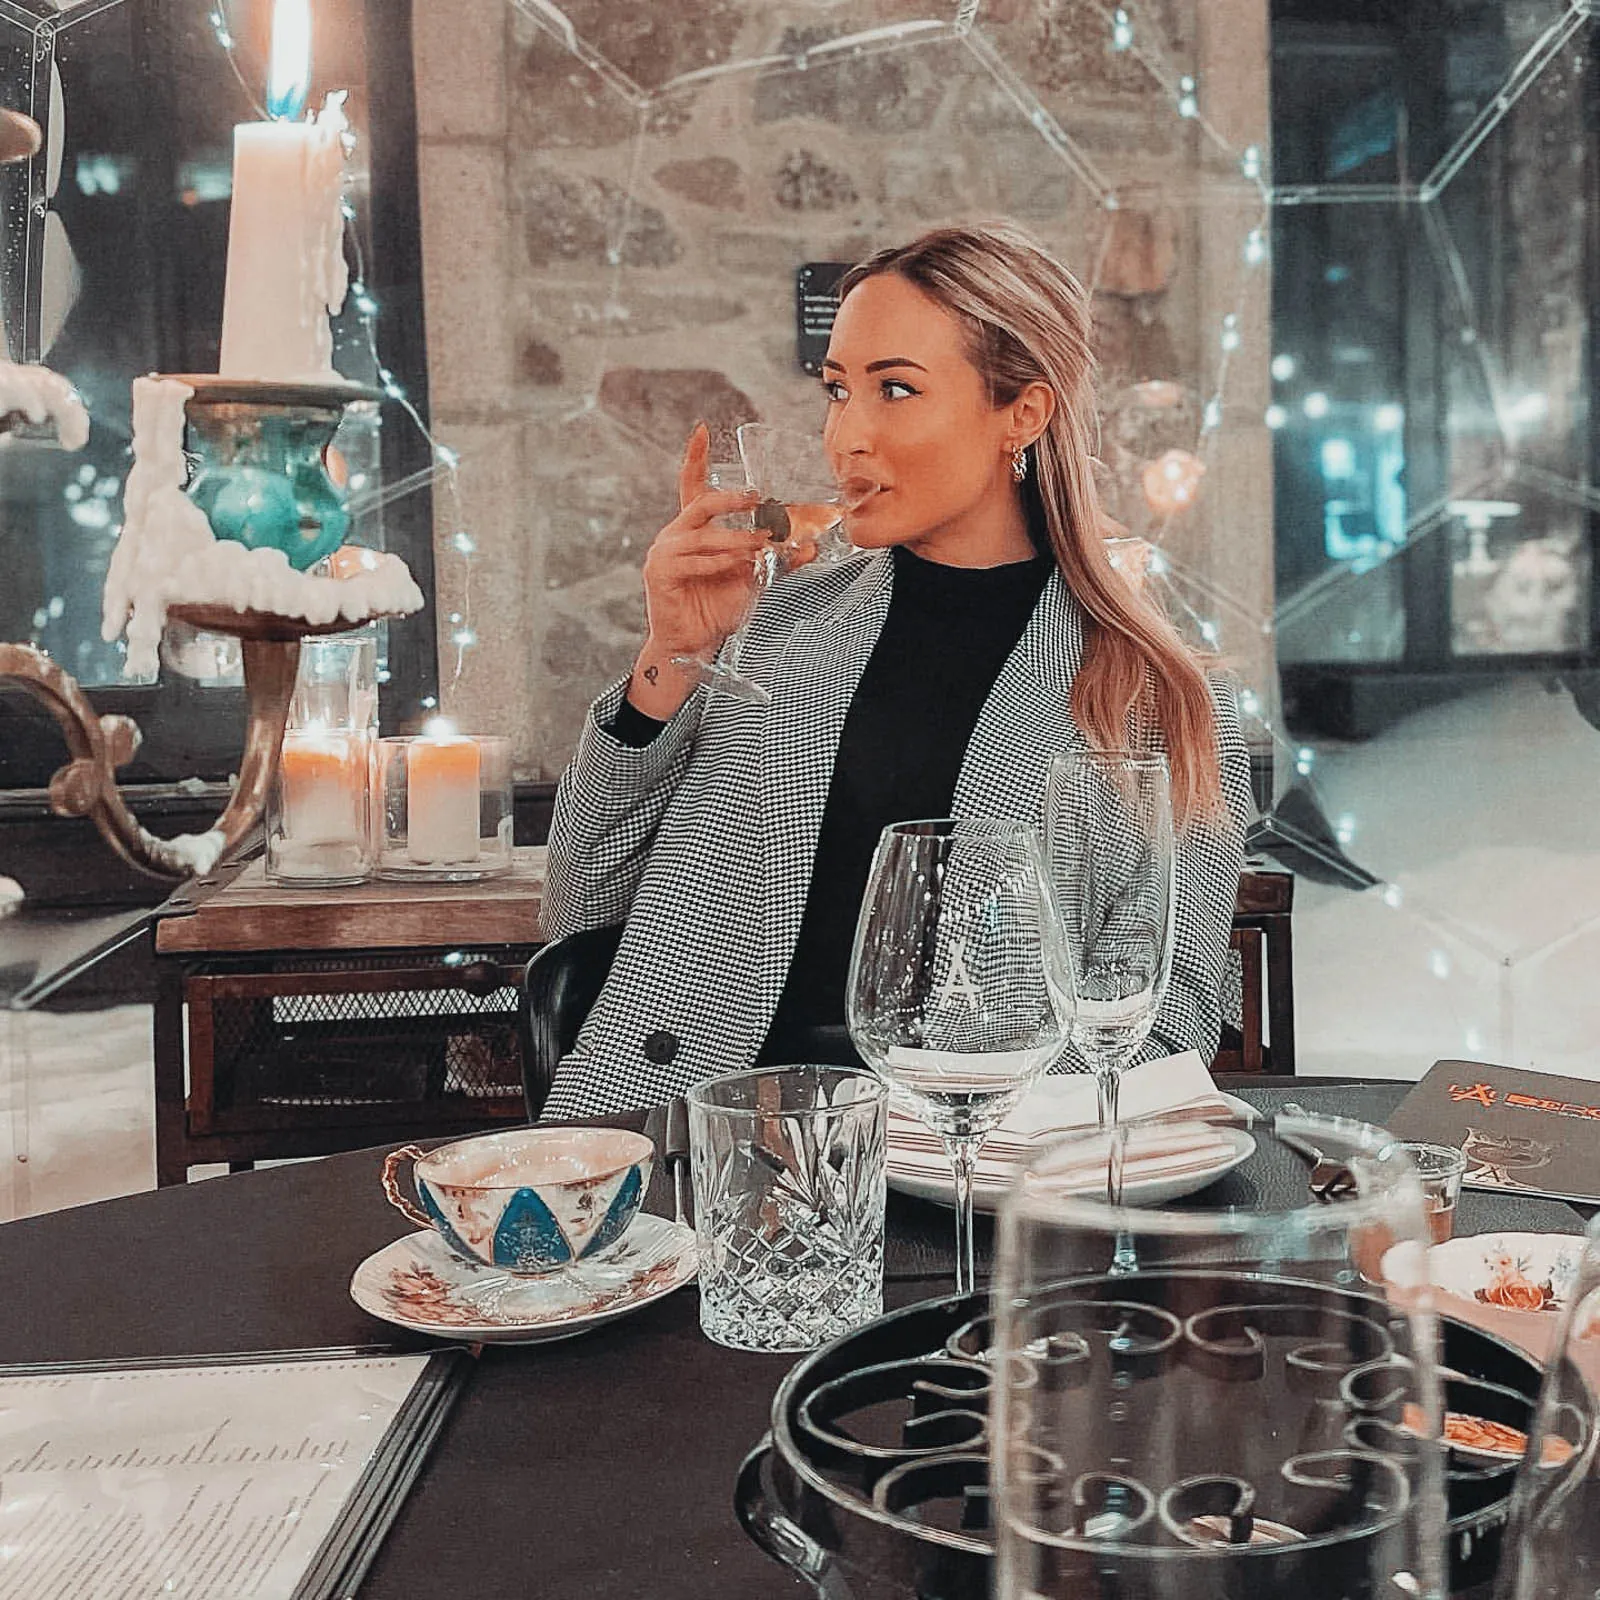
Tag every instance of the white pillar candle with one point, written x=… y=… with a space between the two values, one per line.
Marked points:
x=286 y=266
x=442 y=799
x=324 y=787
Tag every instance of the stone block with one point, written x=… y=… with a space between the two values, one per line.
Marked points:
x=559 y=103
x=805 y=183
x=465 y=250
x=1140 y=255
x=714 y=181
x=459 y=53
x=663 y=405
x=569 y=217
x=895 y=92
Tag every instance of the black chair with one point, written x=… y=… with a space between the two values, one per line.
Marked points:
x=558 y=986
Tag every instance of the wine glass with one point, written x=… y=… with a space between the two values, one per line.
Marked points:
x=719 y=670
x=1109 y=833
x=1241 y=1416
x=1552 y=1543
x=960 y=991
x=798 y=511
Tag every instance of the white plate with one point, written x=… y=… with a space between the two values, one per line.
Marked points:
x=418 y=1282
x=922 y=1178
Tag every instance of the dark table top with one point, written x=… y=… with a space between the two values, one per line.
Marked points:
x=595 y=1468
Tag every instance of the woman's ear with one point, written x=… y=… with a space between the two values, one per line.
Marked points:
x=1031 y=412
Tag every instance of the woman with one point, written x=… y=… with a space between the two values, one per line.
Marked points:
x=981 y=632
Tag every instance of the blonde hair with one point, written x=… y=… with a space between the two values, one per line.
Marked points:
x=1028 y=321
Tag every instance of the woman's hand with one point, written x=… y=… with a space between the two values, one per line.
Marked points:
x=699 y=579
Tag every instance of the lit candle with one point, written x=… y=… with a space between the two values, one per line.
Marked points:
x=442 y=798
x=324 y=778
x=286 y=267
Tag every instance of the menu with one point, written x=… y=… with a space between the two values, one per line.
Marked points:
x=239 y=1479
x=1528 y=1132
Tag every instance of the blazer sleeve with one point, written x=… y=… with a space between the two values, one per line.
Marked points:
x=608 y=805
x=1210 y=857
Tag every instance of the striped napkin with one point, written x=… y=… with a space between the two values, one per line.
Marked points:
x=1175 y=1088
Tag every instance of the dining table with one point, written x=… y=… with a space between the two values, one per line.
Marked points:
x=595 y=1468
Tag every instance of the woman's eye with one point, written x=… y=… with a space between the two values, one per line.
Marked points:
x=833 y=389
x=896 y=389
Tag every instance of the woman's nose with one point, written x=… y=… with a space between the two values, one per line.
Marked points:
x=847 y=432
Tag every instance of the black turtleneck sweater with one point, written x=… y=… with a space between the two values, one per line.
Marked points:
x=947 y=634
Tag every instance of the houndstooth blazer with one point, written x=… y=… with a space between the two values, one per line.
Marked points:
x=703 y=840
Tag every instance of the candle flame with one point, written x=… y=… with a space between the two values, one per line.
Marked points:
x=439 y=728
x=289 y=73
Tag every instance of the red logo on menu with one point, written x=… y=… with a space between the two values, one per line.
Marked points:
x=1481 y=1092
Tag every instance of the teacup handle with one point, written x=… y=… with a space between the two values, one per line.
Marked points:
x=391 y=1185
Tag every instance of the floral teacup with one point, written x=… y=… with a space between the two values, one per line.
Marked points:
x=527 y=1200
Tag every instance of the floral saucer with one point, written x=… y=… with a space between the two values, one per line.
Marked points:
x=419 y=1283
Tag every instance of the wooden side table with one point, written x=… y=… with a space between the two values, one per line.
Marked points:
x=297 y=1022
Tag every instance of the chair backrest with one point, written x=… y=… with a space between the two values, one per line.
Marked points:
x=1263 y=940
x=558 y=986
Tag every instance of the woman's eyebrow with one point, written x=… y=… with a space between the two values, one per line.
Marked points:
x=877 y=366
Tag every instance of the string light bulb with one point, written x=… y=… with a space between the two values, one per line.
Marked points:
x=1188 y=100
x=1121 y=30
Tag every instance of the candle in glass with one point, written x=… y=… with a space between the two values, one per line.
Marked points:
x=324 y=788
x=442 y=798
x=286 y=266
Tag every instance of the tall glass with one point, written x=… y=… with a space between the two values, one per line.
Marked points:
x=960 y=992
x=798 y=511
x=1108 y=827
x=1239 y=1417
x=1552 y=1544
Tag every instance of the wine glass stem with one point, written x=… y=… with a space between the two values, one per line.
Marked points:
x=963 y=1153
x=1108 y=1085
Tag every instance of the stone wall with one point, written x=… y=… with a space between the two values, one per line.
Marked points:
x=616 y=199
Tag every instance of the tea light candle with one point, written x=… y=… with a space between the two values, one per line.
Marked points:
x=286 y=266
x=442 y=798
x=324 y=788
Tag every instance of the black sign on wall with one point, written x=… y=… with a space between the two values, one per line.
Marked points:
x=815 y=285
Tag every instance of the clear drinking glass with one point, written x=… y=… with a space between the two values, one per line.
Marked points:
x=789 y=1191
x=1552 y=1543
x=1241 y=1416
x=799 y=510
x=318 y=821
x=960 y=991
x=443 y=807
x=1108 y=826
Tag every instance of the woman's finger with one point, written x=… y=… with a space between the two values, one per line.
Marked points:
x=708 y=564
x=711 y=503
x=696 y=460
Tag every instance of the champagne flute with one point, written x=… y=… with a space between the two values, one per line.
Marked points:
x=1112 y=852
x=798 y=511
x=960 y=990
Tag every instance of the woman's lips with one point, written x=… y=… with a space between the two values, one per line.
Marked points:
x=855 y=493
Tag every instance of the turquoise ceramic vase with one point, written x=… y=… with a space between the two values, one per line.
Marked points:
x=262 y=479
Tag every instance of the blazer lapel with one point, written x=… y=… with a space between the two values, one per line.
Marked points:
x=1027 y=718
x=812 y=686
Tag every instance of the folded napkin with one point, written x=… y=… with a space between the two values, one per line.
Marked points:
x=1175 y=1088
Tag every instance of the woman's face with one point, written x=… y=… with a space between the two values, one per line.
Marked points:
x=921 y=456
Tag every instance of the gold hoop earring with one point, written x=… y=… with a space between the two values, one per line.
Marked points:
x=1019 y=463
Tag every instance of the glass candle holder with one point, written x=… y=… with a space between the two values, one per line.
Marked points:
x=444 y=800
x=319 y=818
x=337 y=683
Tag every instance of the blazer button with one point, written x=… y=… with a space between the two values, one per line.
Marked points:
x=660 y=1047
